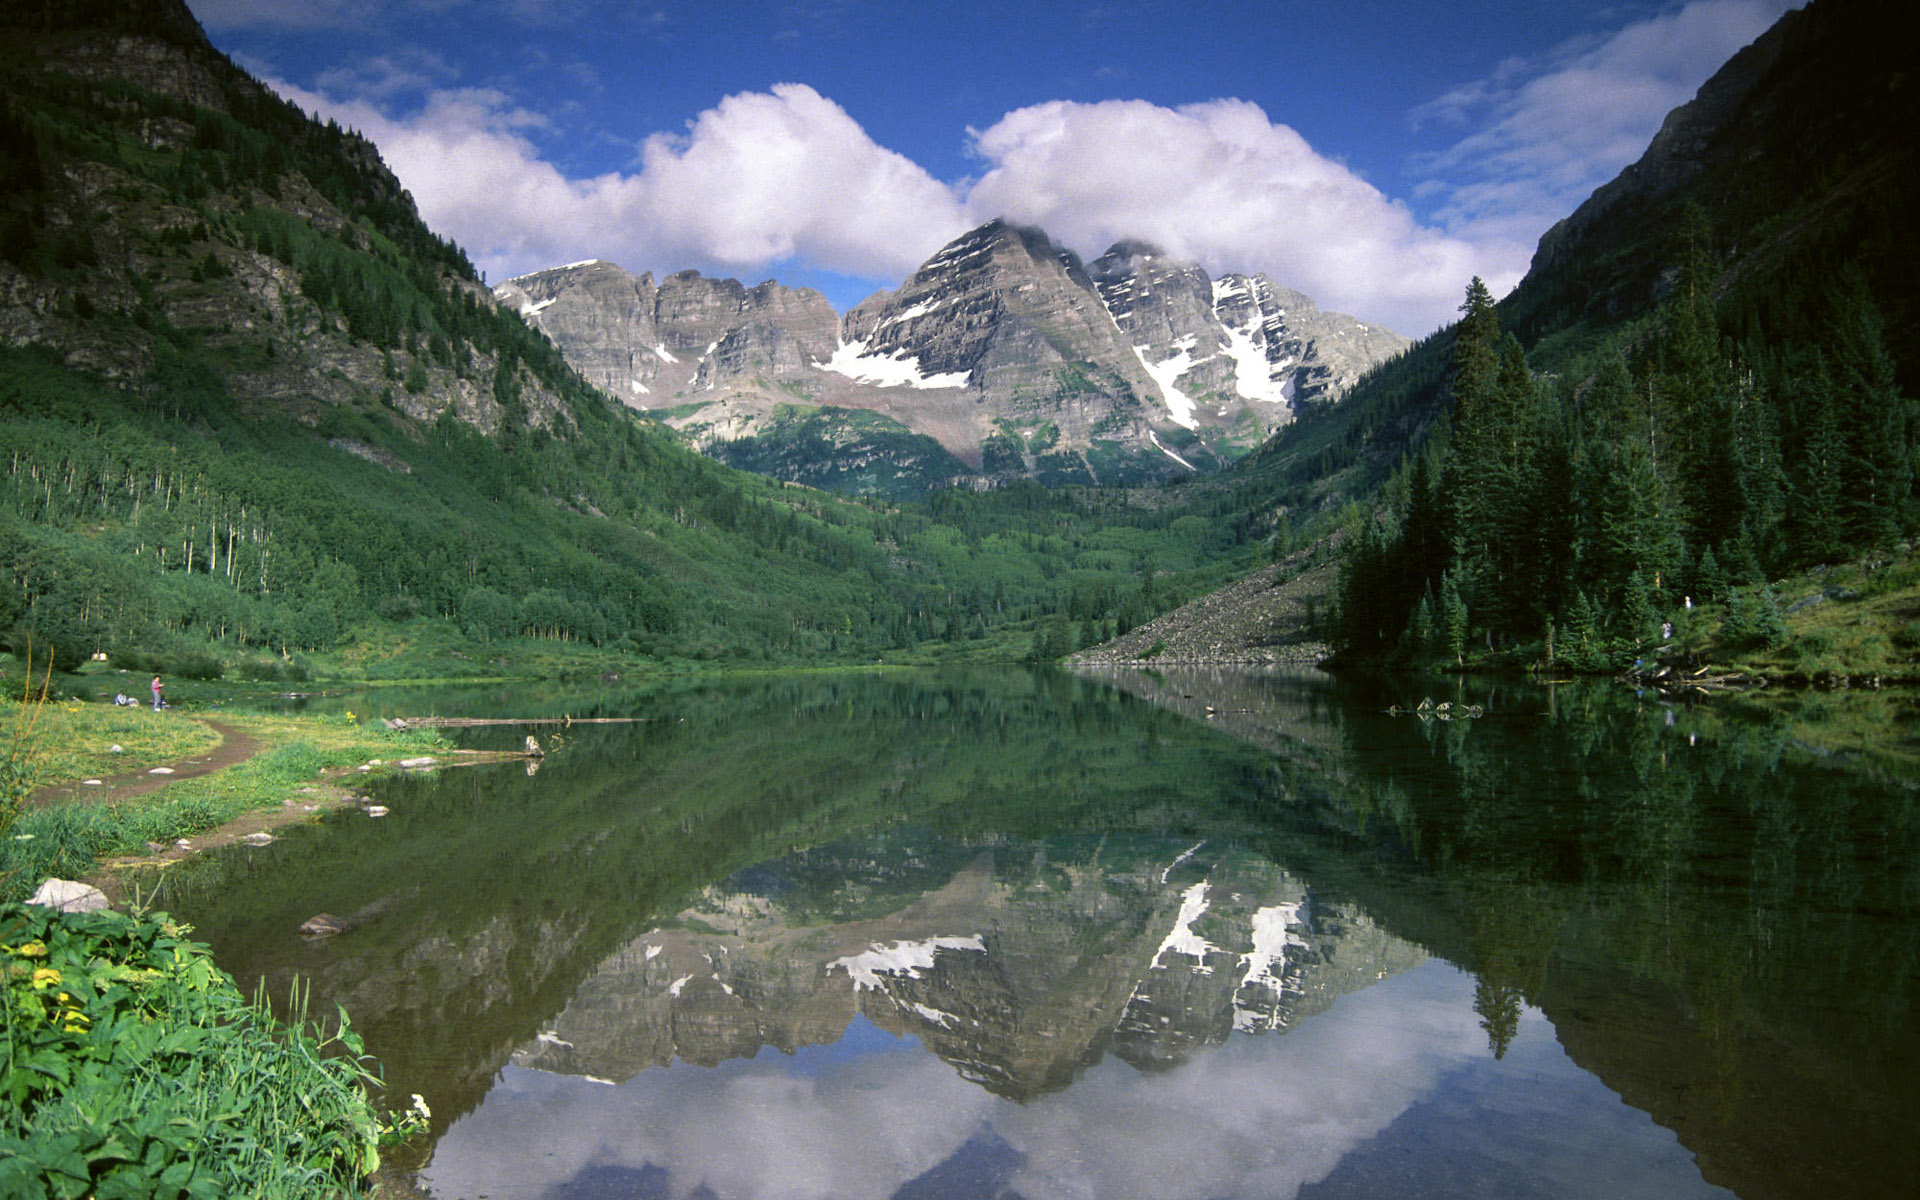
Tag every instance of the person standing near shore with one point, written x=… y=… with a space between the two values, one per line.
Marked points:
x=156 y=685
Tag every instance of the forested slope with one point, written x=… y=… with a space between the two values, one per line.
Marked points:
x=1705 y=382
x=251 y=407
x=1795 y=164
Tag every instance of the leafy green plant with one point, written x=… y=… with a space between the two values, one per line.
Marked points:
x=17 y=769
x=134 y=1067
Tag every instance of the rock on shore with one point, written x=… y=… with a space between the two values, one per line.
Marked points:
x=1268 y=617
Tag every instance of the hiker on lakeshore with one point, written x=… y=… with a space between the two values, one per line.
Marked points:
x=156 y=685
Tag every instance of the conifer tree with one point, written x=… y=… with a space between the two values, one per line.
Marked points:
x=1453 y=612
x=1872 y=419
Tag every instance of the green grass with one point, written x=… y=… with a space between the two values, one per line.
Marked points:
x=1864 y=624
x=134 y=1067
x=75 y=741
x=70 y=840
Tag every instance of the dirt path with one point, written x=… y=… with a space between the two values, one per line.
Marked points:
x=235 y=747
x=339 y=787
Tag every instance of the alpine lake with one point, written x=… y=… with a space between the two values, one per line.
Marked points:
x=1181 y=934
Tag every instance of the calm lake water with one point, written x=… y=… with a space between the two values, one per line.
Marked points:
x=1190 y=934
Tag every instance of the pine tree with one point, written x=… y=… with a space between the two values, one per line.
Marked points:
x=1872 y=419
x=1453 y=612
x=1709 y=581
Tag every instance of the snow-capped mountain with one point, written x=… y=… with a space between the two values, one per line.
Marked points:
x=1003 y=356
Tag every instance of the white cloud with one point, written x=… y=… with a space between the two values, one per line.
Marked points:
x=1551 y=131
x=765 y=177
x=1221 y=183
x=787 y=178
x=759 y=179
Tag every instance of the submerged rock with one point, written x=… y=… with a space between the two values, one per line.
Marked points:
x=322 y=925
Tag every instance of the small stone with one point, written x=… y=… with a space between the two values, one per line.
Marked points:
x=116 y=748
x=67 y=896
x=322 y=925
x=161 y=771
x=411 y=763
x=258 y=839
x=183 y=844
x=90 y=783
x=376 y=810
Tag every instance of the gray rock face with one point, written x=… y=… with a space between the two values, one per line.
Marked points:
x=1003 y=302
x=1236 y=356
x=1017 y=360
x=147 y=251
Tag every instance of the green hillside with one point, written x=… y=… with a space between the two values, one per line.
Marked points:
x=253 y=411
x=1705 y=384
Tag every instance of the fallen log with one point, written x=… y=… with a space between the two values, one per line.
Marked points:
x=476 y=722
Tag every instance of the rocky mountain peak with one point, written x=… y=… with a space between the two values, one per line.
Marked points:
x=1002 y=356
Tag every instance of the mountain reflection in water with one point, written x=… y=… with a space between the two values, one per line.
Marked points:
x=1019 y=934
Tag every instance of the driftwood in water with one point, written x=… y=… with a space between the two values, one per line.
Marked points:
x=473 y=722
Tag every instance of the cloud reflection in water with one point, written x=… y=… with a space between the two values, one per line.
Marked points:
x=1259 y=1116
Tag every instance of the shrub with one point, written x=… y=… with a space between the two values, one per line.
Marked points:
x=140 y=662
x=134 y=1067
x=256 y=670
x=194 y=664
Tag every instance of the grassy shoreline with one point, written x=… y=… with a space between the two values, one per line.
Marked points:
x=130 y=1061
x=73 y=838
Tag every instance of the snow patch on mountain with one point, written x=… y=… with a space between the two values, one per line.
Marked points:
x=920 y=309
x=1169 y=452
x=1167 y=374
x=852 y=360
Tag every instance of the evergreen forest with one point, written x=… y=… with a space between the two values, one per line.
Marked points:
x=1577 y=517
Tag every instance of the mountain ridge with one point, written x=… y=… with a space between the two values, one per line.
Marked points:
x=1003 y=356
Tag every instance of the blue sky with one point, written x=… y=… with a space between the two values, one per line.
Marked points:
x=1373 y=155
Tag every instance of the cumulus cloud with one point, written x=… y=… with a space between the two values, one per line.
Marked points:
x=765 y=181
x=1223 y=184
x=759 y=179
x=766 y=177
x=1546 y=133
